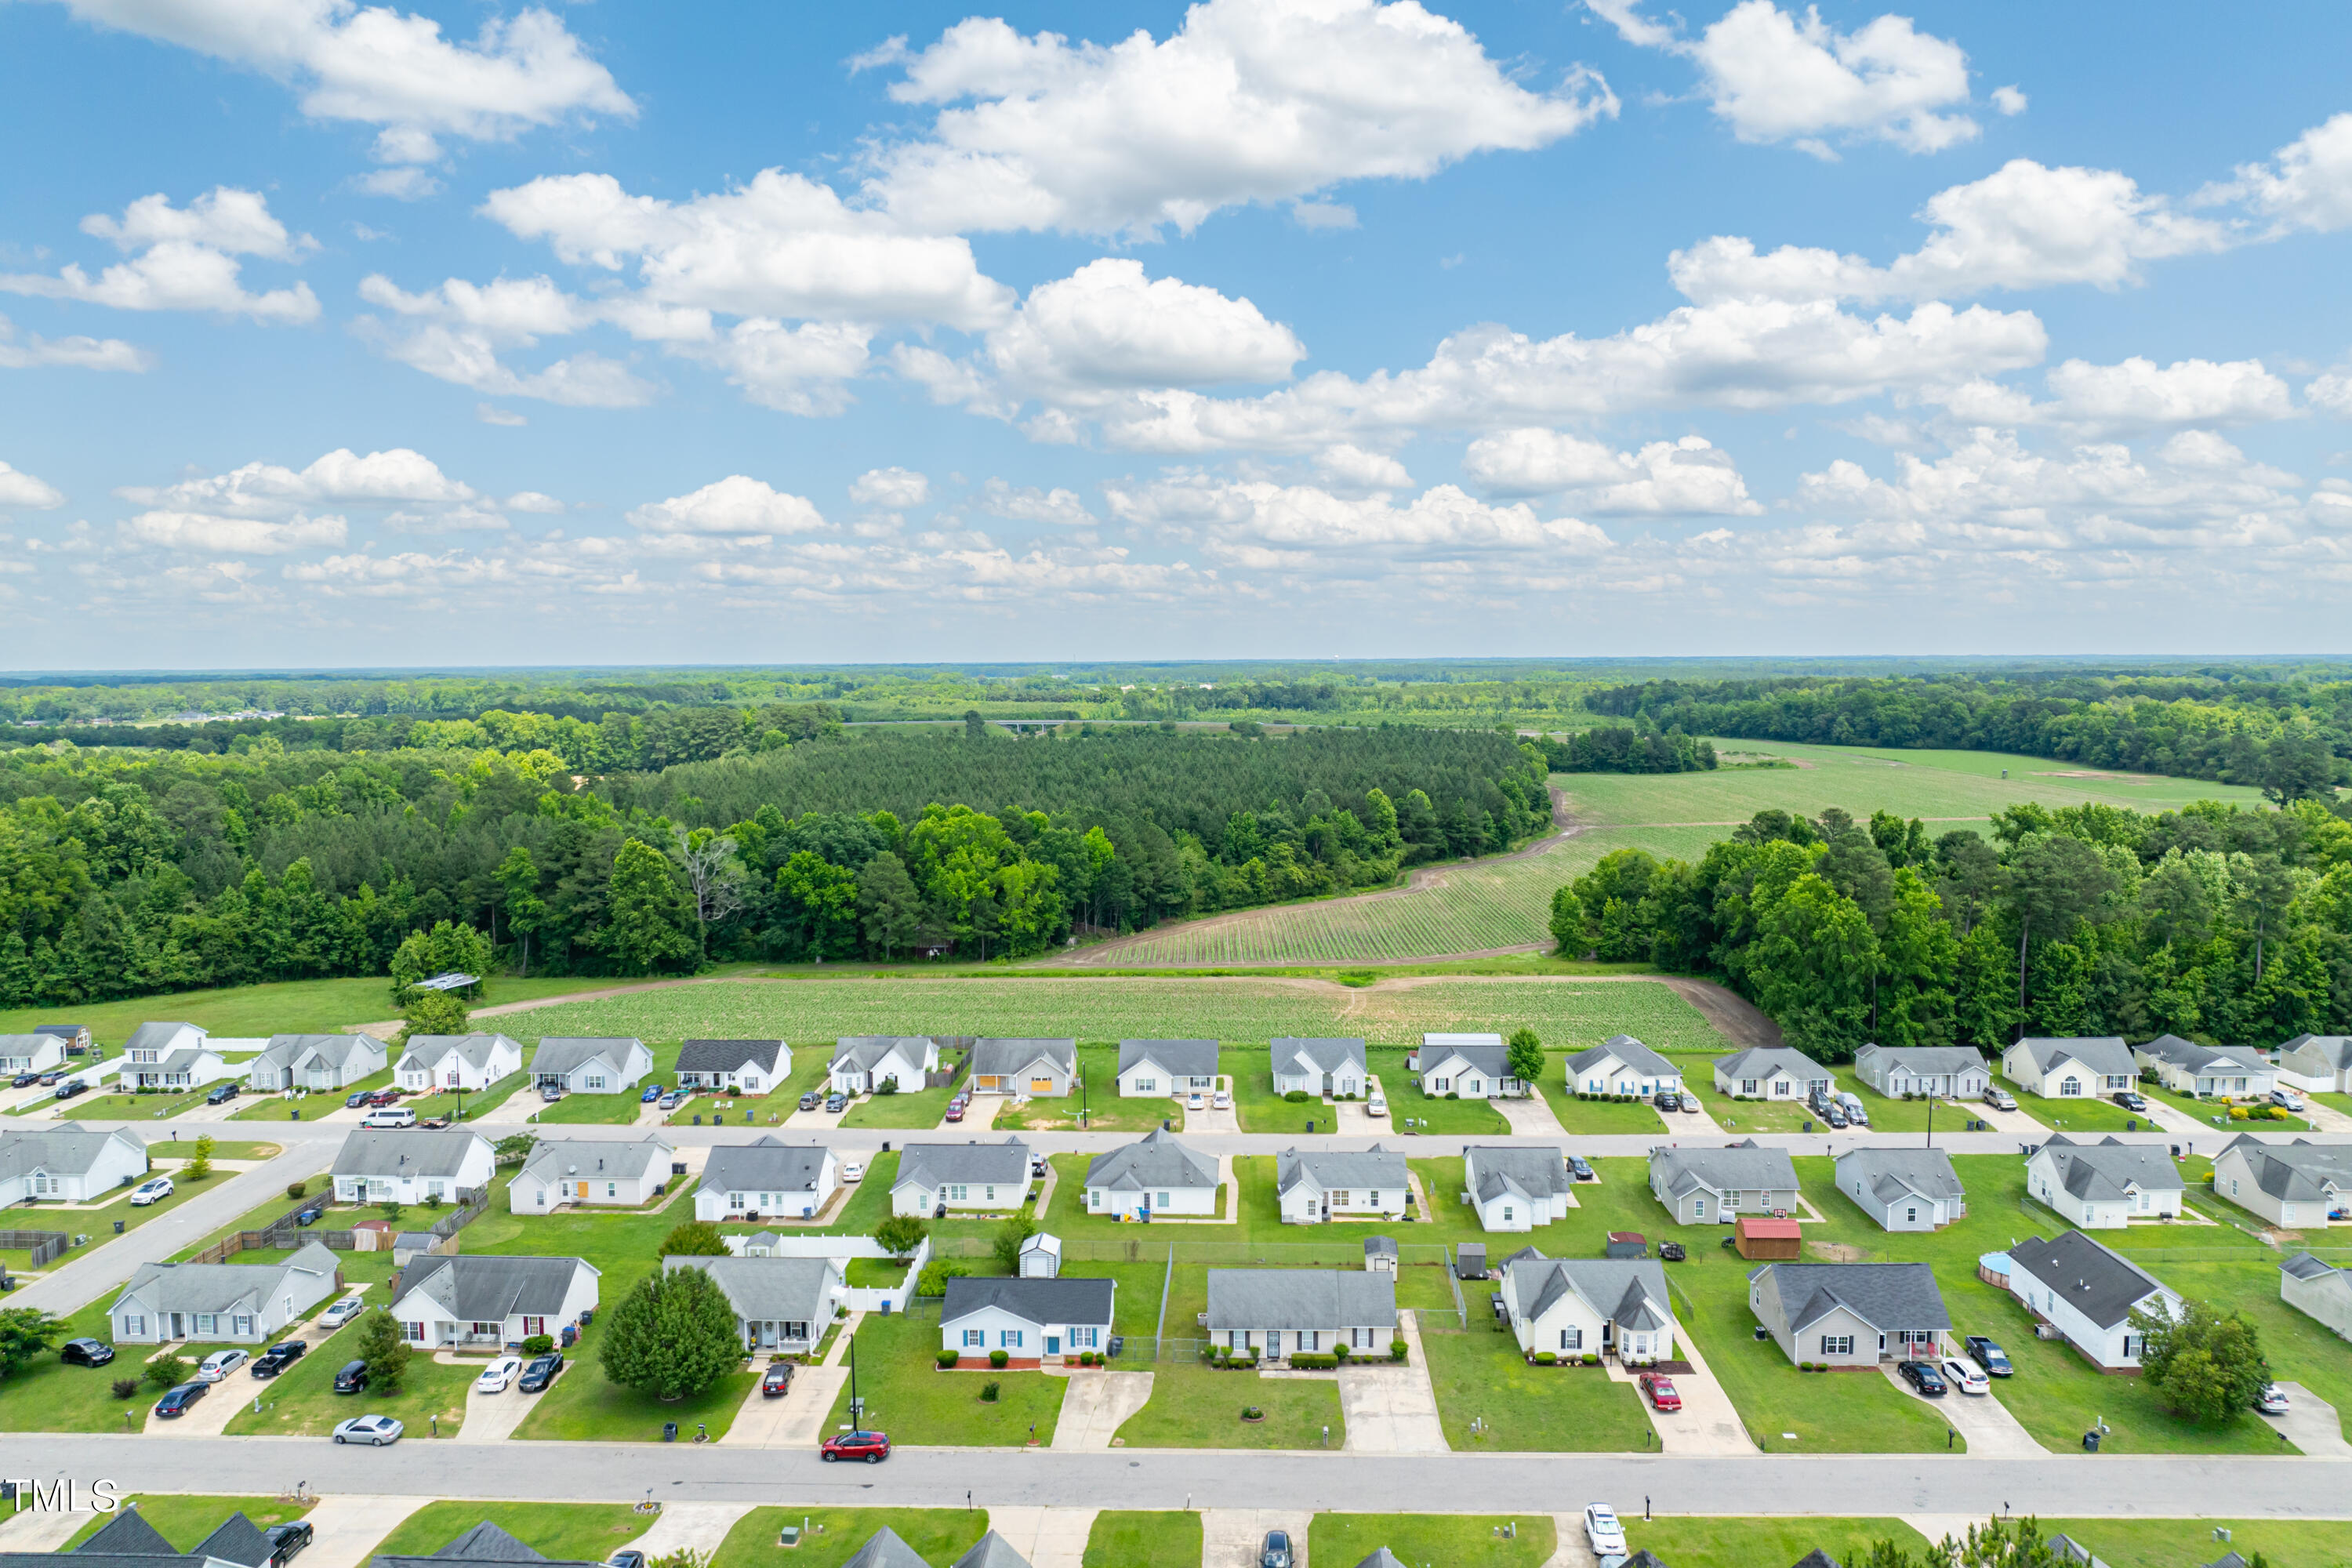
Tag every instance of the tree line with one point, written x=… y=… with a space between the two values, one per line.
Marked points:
x=1636 y=748
x=2212 y=922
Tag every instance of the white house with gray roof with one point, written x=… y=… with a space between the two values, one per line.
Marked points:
x=1623 y=1065
x=779 y=1303
x=2300 y=1184
x=2318 y=1290
x=1313 y=1186
x=2104 y=1185
x=469 y=1062
x=597 y=1173
x=407 y=1165
x=1850 y=1314
x=1321 y=1068
x=221 y=1304
x=1279 y=1313
x=31 y=1053
x=1933 y=1072
x=862 y=1061
x=1601 y=1306
x=1148 y=1068
x=2089 y=1067
x=1517 y=1186
x=169 y=1057
x=477 y=1298
x=2089 y=1292
x=1473 y=1067
x=972 y=1177
x=884 y=1549
x=1771 y=1072
x=1033 y=1321
x=767 y=1177
x=1043 y=1069
x=1903 y=1189
x=2202 y=1072
x=736 y=1067
x=1705 y=1186
x=1153 y=1175
x=67 y=1162
x=2321 y=1062
x=320 y=1062
x=590 y=1064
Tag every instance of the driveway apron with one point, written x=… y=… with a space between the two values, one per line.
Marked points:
x=1097 y=1405
x=1990 y=1431
x=1392 y=1409
x=1047 y=1536
x=1231 y=1537
x=2311 y=1424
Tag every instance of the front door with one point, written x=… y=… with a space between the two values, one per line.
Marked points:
x=1053 y=1345
x=179 y=1326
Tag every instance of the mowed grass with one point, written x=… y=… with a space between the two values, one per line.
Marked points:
x=1480 y=1376
x=1455 y=1540
x=48 y=1395
x=289 y=1007
x=909 y=1397
x=2167 y=1542
x=183 y=1520
x=1197 y=1407
x=1122 y=1539
x=301 y=1402
x=1768 y=1543
x=582 y=1531
x=831 y=1536
x=1107 y=1109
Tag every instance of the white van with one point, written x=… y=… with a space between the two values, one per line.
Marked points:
x=1851 y=1105
x=389 y=1116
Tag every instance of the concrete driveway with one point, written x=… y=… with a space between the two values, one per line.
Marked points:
x=1211 y=1119
x=1531 y=1117
x=1699 y=1123
x=698 y=1527
x=1047 y=1536
x=1096 y=1405
x=2311 y=1424
x=1708 y=1423
x=1392 y=1409
x=820 y=1120
x=1571 y=1549
x=493 y=1418
x=1981 y=1419
x=346 y=1528
x=1231 y=1537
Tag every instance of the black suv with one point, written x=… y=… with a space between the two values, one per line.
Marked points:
x=2128 y=1099
x=277 y=1358
x=222 y=1094
x=86 y=1352
x=352 y=1378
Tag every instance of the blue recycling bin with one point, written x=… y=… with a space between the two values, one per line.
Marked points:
x=669 y=1431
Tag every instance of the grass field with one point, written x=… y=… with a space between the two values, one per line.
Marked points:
x=1768 y=1543
x=831 y=1536
x=2166 y=1543
x=1455 y=1540
x=908 y=1397
x=1143 y=1540
x=184 y=1520
x=1479 y=1375
x=287 y=1007
x=582 y=1532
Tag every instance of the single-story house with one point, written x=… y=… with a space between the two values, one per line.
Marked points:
x=2104 y=1185
x=1032 y=1321
x=2322 y=1062
x=972 y=1176
x=2187 y=1068
x=483 y=1546
x=766 y=1176
x=1623 y=1065
x=590 y=1064
x=479 y=1299
x=1319 y=1067
x=1605 y=1306
x=408 y=1166
x=2090 y=1067
x=1040 y=1257
x=1280 y=1312
x=2089 y=1292
x=1044 y=1070
x=862 y=1061
x=1517 y=1186
x=1704 y=1187
x=884 y=1549
x=1850 y=1314
x=737 y=1067
x=1772 y=1072
x=1473 y=1067
x=780 y=1304
x=591 y=1173
x=1154 y=1067
x=30 y=1053
x=1903 y=1189
x=1155 y=1174
x=127 y=1541
x=2301 y=1185
x=322 y=1062
x=181 y=1067
x=1316 y=1185
x=223 y=1303
x=469 y=1062
x=1935 y=1072
x=2318 y=1290
x=67 y=1162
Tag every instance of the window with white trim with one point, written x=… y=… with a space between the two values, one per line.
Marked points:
x=1163 y=1200
x=1837 y=1344
x=244 y=1325
x=976 y=1339
x=1572 y=1339
x=1084 y=1339
x=1146 y=1086
x=1094 y=1198
x=133 y=1325
x=413 y=1331
x=1009 y=1339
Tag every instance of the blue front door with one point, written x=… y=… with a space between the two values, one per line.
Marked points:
x=1053 y=1345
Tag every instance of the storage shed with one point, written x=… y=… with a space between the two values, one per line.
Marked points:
x=1767 y=1237
x=1628 y=1244
x=1381 y=1252
x=1470 y=1260
x=1041 y=1257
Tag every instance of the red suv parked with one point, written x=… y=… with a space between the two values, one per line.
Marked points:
x=871 y=1447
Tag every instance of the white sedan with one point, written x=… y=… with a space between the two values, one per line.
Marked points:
x=1223 y=1099
x=219 y=1364
x=1964 y=1376
x=497 y=1375
x=852 y=1169
x=342 y=1312
x=151 y=1192
x=1601 y=1529
x=1196 y=1102
x=373 y=1430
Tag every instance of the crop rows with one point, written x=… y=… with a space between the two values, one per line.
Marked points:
x=1568 y=1014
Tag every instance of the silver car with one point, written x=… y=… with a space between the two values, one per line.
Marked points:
x=376 y=1431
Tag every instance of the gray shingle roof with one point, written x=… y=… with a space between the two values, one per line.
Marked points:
x=883 y=1549
x=1177 y=1059
x=479 y=1288
x=1315 y=1055
x=1381 y=1557
x=235 y=1538
x=1763 y=1061
x=2095 y=1279
x=2194 y=1057
x=2336 y=1050
x=1493 y=1060
x=1335 y=1170
x=1628 y=1050
x=1156 y=1160
x=473 y=1049
x=859 y=1053
x=155 y=1037
x=1887 y=1296
x=285 y=1050
x=2297 y=1173
x=68 y=1149
x=2098 y=1173
x=1250 y=1299
x=217 y=1287
x=766 y=1164
x=1743 y=1167
x=1067 y=1300
x=1532 y=1171
x=1927 y=1061
x=1631 y=1292
x=1891 y=1173
x=1004 y=1058
x=405 y=1150
x=992 y=1550
x=985 y=1164
x=780 y=1289
x=2304 y=1265
x=2106 y=1055
x=728 y=1055
x=597 y=1160
x=127 y=1535
x=484 y=1543
x=567 y=1054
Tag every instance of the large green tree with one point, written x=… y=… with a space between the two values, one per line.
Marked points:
x=384 y=1348
x=2207 y=1364
x=26 y=1334
x=671 y=1336
x=649 y=924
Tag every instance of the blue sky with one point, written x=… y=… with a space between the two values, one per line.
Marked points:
x=339 y=335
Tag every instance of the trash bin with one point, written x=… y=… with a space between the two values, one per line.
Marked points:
x=295 y=1115
x=669 y=1431
x=1762 y=1332
x=2090 y=1442
x=117 y=1227
x=698 y=1121
x=2131 y=1123
x=570 y=1336
x=1807 y=1127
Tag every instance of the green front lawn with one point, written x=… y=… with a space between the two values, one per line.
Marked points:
x=1106 y=1111
x=2205 y=1110
x=582 y=1531
x=108 y=1106
x=575 y=1109
x=302 y=1401
x=184 y=1520
x=2072 y=1116
x=908 y=1396
x=315 y=1105
x=811 y=1068
x=869 y=1199
x=1768 y=1543
x=909 y=1107
x=2334 y=1101
x=1745 y=1116
x=831 y=1536
x=582 y=1407
x=1479 y=1375
x=1259 y=1108
x=1597 y=1116
x=2170 y=1542
x=99 y=1224
x=48 y=1395
x=1143 y=1540
x=1440 y=1116
x=1194 y=1405
x=471 y=1106
x=1455 y=1540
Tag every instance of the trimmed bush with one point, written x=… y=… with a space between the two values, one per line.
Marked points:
x=988 y=1392
x=1397 y=1349
x=1341 y=1351
x=1591 y=1358
x=296 y=1190
x=1452 y=1094
x=997 y=1359
x=948 y=1358
x=1313 y=1362
x=1296 y=1097
x=538 y=1344
x=1546 y=1358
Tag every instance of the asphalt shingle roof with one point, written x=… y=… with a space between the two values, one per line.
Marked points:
x=1891 y=1173
x=2106 y=1055
x=766 y=1164
x=478 y=1288
x=566 y=1054
x=2099 y=1172
x=1531 y=1171
x=1338 y=1170
x=2199 y=1059
x=1492 y=1060
x=1887 y=1296
x=236 y=1539
x=1743 y=1167
x=768 y=1290
x=127 y=1535
x=883 y=1549
x=728 y=1055
x=155 y=1036
x=285 y=1050
x=1057 y=1301
x=1929 y=1061
x=1253 y=1299
x=2095 y=1279
x=1292 y=1056
x=2297 y=1173
x=1002 y=1164
x=1628 y=1050
x=1002 y=1058
x=2336 y=1050
x=405 y=1151
x=1763 y=1061
x=68 y=1149
x=217 y=1287
x=2304 y=1265
x=1627 y=1290
x=992 y=1550
x=859 y=1053
x=1177 y=1059
x=557 y=1160
x=1156 y=1160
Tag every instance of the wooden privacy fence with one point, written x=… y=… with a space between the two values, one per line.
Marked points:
x=41 y=1245
x=282 y=1235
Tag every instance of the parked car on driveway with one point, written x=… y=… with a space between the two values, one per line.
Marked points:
x=25 y=1080
x=1579 y=1167
x=1667 y=1099
x=152 y=1191
x=1999 y=1098
x=86 y=1352
x=71 y=1086
x=2271 y=1400
x=2129 y=1100
x=220 y=1364
x=1990 y=1357
x=1923 y=1377
x=541 y=1372
x=279 y=1357
x=342 y=1312
x=653 y=1092
x=376 y=1431
x=358 y=1097
x=673 y=1099
x=2286 y=1099
x=175 y=1401
x=1376 y=1105
x=955 y=1111
x=389 y=1116
x=54 y=1076
x=1964 y=1376
x=498 y=1374
x=1276 y=1550
x=871 y=1447
x=1660 y=1390
x=285 y=1541
x=1196 y=1102
x=222 y=1094
x=1601 y=1530
x=852 y=1169
x=835 y=1103
x=776 y=1380
x=810 y=1100
x=1224 y=1099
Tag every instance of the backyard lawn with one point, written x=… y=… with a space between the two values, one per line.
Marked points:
x=1194 y=1405
x=582 y=1531
x=1479 y=1375
x=908 y=1396
x=831 y=1536
x=1455 y=1540
x=1768 y=1543
x=184 y=1520
x=1121 y=1540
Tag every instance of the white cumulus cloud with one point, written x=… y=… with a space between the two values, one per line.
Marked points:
x=1108 y=327
x=18 y=488
x=186 y=260
x=1691 y=476
x=892 y=489
x=734 y=505
x=207 y=533
x=33 y=351
x=343 y=476
x=1029 y=503
x=2307 y=184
